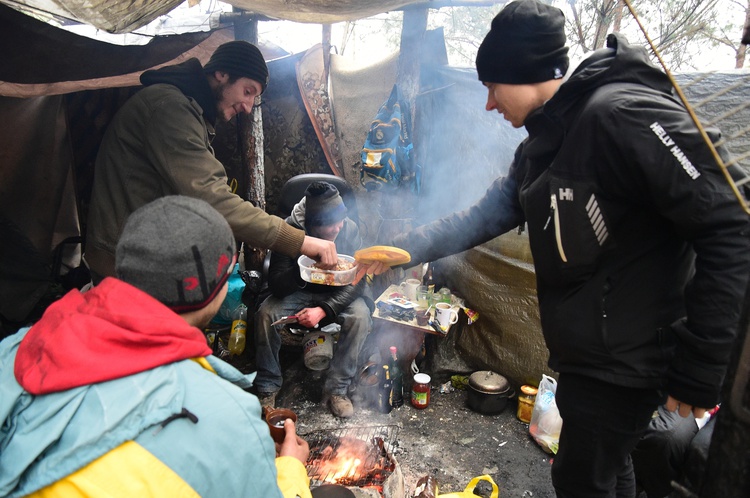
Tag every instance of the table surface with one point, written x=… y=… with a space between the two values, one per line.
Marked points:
x=412 y=324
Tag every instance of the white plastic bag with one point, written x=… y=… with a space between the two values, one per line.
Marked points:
x=545 y=422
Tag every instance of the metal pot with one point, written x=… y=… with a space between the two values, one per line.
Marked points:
x=489 y=392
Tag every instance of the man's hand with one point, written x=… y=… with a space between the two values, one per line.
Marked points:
x=684 y=409
x=375 y=268
x=310 y=317
x=293 y=445
x=323 y=251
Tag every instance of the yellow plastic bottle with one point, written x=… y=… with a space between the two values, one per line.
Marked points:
x=237 y=336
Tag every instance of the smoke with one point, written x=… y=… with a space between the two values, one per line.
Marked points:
x=462 y=147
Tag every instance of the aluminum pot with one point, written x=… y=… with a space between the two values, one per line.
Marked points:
x=489 y=392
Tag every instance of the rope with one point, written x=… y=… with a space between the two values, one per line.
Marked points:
x=694 y=117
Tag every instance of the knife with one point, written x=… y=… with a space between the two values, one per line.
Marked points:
x=286 y=319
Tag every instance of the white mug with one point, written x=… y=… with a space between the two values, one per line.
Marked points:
x=445 y=315
x=409 y=288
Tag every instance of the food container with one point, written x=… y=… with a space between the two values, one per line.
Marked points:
x=489 y=392
x=526 y=403
x=327 y=277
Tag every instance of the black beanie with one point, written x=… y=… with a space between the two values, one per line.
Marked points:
x=178 y=250
x=323 y=205
x=526 y=44
x=239 y=58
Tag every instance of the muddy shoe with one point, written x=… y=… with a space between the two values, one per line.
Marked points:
x=267 y=400
x=340 y=406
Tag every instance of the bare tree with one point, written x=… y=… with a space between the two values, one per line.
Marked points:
x=730 y=33
x=685 y=32
x=678 y=28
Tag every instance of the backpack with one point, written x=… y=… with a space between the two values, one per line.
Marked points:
x=387 y=159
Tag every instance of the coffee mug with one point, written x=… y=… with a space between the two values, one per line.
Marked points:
x=445 y=315
x=409 y=288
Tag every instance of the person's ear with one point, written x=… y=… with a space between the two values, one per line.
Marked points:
x=221 y=76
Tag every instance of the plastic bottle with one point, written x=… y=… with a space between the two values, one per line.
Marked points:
x=397 y=379
x=384 y=393
x=239 y=330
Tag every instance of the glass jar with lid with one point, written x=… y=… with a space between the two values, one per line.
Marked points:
x=526 y=403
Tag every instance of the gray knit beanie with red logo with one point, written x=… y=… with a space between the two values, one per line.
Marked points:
x=239 y=59
x=177 y=249
x=526 y=44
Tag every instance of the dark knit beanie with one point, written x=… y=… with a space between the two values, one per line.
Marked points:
x=526 y=44
x=177 y=249
x=323 y=205
x=239 y=58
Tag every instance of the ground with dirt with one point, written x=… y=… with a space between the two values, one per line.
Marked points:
x=446 y=440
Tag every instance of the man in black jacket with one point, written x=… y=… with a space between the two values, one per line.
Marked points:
x=640 y=247
x=321 y=213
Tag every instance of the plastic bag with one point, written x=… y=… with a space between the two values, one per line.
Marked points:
x=233 y=299
x=469 y=491
x=546 y=422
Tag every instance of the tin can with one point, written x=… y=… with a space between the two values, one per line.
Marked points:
x=526 y=403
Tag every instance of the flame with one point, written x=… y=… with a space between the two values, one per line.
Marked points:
x=348 y=468
x=347 y=462
x=350 y=461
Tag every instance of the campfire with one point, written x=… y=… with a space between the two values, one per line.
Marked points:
x=358 y=457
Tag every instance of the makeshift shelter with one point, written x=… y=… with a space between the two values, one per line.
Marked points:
x=59 y=91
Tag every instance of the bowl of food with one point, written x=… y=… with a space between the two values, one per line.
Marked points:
x=315 y=273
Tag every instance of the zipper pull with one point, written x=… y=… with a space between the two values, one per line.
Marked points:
x=552 y=205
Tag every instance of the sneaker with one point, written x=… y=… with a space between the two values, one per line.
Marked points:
x=267 y=400
x=340 y=406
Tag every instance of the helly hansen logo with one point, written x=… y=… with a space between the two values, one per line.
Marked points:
x=565 y=194
x=676 y=152
x=597 y=220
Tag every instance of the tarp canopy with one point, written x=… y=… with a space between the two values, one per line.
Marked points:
x=123 y=16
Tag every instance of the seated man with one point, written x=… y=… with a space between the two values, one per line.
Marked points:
x=114 y=392
x=321 y=213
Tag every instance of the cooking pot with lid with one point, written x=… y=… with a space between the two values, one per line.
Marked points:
x=489 y=392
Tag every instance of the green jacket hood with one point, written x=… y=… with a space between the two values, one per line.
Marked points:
x=189 y=77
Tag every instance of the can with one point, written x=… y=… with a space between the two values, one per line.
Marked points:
x=526 y=403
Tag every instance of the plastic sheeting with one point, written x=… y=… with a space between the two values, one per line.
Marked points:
x=124 y=16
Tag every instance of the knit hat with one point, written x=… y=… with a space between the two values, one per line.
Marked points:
x=323 y=205
x=239 y=59
x=177 y=249
x=526 y=44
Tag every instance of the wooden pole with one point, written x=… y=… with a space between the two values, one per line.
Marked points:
x=727 y=472
x=250 y=146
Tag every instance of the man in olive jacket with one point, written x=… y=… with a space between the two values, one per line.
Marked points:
x=159 y=143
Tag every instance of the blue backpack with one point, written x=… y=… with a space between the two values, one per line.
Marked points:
x=387 y=159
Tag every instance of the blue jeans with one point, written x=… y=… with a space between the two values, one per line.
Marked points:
x=356 y=324
x=602 y=423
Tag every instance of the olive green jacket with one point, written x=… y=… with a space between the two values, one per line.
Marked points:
x=158 y=144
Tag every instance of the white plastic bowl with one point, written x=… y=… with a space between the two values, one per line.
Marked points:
x=326 y=277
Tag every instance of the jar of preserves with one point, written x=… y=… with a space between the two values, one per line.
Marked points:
x=526 y=403
x=420 y=391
